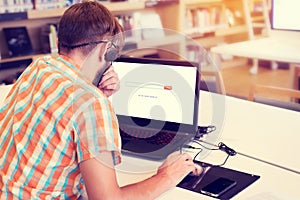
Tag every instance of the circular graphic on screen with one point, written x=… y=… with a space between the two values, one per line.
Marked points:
x=157 y=92
x=211 y=110
x=156 y=102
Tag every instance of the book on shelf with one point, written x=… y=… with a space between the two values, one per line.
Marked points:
x=141 y=26
x=49 y=38
x=48 y=4
x=203 y=19
x=12 y=6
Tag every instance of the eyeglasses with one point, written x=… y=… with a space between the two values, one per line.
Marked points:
x=88 y=43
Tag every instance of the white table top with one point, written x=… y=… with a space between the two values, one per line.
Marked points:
x=264 y=132
x=281 y=48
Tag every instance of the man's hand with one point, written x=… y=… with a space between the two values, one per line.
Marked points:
x=177 y=166
x=110 y=82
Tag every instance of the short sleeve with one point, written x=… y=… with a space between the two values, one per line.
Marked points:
x=97 y=130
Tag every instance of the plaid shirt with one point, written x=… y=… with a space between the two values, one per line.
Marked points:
x=52 y=119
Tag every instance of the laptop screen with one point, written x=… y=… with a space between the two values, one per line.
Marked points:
x=155 y=89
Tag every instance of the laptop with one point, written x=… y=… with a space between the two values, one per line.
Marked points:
x=156 y=106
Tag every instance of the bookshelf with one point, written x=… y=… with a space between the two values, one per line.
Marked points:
x=219 y=27
x=210 y=22
x=34 y=19
x=203 y=17
x=198 y=19
x=116 y=8
x=225 y=21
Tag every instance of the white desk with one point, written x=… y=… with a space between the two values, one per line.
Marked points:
x=267 y=133
x=281 y=46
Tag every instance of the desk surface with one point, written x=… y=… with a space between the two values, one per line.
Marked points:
x=268 y=133
x=281 y=46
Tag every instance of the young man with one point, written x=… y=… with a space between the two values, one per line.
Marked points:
x=59 y=135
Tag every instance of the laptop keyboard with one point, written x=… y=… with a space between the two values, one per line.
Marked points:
x=150 y=137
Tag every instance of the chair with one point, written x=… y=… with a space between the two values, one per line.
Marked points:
x=212 y=81
x=295 y=76
x=266 y=95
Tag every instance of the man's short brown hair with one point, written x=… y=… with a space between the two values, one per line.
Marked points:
x=86 y=22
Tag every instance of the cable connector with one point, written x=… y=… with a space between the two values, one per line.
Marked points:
x=186 y=146
x=206 y=129
x=225 y=148
x=203 y=130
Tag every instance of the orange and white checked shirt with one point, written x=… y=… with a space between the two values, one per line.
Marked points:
x=51 y=120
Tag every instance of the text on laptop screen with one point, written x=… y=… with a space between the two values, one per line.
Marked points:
x=155 y=91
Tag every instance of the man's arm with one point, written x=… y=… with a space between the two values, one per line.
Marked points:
x=101 y=183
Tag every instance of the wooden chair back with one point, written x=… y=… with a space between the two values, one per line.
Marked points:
x=266 y=94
